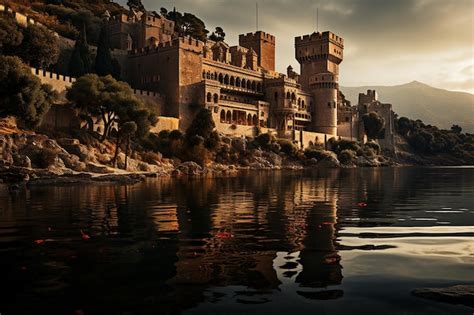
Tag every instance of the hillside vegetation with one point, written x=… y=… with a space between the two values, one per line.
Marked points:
x=416 y=100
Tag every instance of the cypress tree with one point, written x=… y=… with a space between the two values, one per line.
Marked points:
x=80 y=62
x=103 y=60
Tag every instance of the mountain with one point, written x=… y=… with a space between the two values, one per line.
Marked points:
x=416 y=100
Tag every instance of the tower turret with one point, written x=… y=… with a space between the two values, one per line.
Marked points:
x=319 y=55
x=264 y=45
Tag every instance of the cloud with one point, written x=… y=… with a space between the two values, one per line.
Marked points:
x=381 y=37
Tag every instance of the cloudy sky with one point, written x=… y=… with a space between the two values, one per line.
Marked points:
x=386 y=42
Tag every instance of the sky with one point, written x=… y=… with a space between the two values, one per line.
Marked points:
x=387 y=42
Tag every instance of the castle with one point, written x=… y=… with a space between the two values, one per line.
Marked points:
x=239 y=84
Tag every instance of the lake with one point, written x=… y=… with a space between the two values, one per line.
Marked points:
x=341 y=241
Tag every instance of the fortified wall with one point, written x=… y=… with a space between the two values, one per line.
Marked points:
x=62 y=116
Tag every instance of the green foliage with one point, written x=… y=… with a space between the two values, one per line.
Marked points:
x=340 y=145
x=40 y=47
x=316 y=154
x=21 y=93
x=373 y=125
x=80 y=62
x=202 y=125
x=218 y=35
x=287 y=147
x=11 y=34
x=264 y=140
x=187 y=24
x=347 y=156
x=103 y=61
x=136 y=4
x=213 y=141
x=428 y=139
x=76 y=18
x=111 y=100
x=374 y=146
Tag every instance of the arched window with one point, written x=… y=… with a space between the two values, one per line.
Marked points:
x=255 y=120
x=232 y=81
x=293 y=96
x=302 y=103
x=226 y=79
x=209 y=97
x=222 y=116
x=234 y=117
x=249 y=85
x=221 y=78
x=276 y=96
x=208 y=75
x=254 y=86
x=299 y=101
x=237 y=82
x=249 y=119
x=204 y=74
x=228 y=117
x=288 y=95
x=216 y=98
x=244 y=83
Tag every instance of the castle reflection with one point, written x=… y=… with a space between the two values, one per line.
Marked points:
x=167 y=244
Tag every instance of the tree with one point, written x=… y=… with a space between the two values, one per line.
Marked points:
x=456 y=129
x=80 y=62
x=202 y=125
x=103 y=61
x=21 y=93
x=373 y=125
x=136 y=4
x=187 y=24
x=39 y=48
x=218 y=35
x=111 y=100
x=10 y=34
x=125 y=132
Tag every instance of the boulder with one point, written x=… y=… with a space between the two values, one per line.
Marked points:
x=21 y=160
x=189 y=168
x=98 y=168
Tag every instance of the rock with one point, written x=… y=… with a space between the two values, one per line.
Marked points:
x=458 y=294
x=81 y=151
x=21 y=160
x=97 y=168
x=273 y=158
x=68 y=142
x=330 y=160
x=190 y=168
x=239 y=144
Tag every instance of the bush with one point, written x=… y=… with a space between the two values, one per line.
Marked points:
x=347 y=156
x=152 y=158
x=374 y=146
x=264 y=140
x=340 y=145
x=212 y=143
x=44 y=158
x=373 y=125
x=287 y=147
x=316 y=154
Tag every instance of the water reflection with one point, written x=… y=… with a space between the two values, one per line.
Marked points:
x=268 y=239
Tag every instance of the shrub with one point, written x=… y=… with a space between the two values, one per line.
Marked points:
x=373 y=125
x=264 y=139
x=212 y=143
x=316 y=154
x=374 y=146
x=152 y=158
x=340 y=145
x=347 y=156
x=287 y=147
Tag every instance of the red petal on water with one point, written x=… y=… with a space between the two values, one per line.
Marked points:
x=362 y=204
x=39 y=242
x=84 y=236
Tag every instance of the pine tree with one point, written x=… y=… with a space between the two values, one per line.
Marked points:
x=103 y=60
x=80 y=62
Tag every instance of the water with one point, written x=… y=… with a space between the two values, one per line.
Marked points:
x=328 y=242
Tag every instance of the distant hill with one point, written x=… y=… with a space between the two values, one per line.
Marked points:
x=416 y=100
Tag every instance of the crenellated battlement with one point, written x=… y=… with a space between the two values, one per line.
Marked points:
x=187 y=42
x=259 y=35
x=40 y=73
x=317 y=36
x=20 y=18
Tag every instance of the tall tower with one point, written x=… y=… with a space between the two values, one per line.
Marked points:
x=264 y=45
x=319 y=55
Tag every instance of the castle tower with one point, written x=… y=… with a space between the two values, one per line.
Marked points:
x=319 y=55
x=264 y=45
